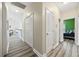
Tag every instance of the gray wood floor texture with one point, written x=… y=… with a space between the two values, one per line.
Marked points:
x=67 y=49
x=18 y=48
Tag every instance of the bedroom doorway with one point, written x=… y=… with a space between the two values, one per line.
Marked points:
x=69 y=29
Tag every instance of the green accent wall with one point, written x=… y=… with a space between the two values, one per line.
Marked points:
x=69 y=24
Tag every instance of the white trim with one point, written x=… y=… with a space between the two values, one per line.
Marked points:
x=76 y=30
x=61 y=40
x=39 y=54
x=28 y=43
x=8 y=46
x=44 y=55
x=55 y=46
x=77 y=43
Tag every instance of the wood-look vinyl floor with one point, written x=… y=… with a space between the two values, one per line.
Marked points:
x=65 y=49
x=15 y=42
x=18 y=48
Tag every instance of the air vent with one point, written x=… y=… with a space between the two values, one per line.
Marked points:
x=18 y=5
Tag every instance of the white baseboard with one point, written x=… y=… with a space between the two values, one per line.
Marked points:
x=61 y=40
x=51 y=48
x=22 y=39
x=39 y=54
x=77 y=44
x=55 y=46
x=28 y=43
x=43 y=55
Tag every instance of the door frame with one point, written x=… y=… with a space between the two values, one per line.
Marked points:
x=4 y=29
x=76 y=31
x=59 y=29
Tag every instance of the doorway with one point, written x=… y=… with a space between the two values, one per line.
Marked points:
x=69 y=29
x=14 y=43
x=14 y=27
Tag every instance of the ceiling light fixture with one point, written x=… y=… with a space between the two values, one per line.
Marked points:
x=17 y=10
x=65 y=2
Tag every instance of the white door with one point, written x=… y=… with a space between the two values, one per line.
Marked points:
x=50 y=32
x=28 y=30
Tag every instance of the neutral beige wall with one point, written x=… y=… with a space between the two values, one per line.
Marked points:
x=38 y=27
x=0 y=29
x=39 y=41
x=53 y=8
x=69 y=14
x=36 y=8
x=78 y=9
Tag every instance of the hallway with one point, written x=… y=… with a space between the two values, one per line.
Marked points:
x=65 y=49
x=18 y=48
x=37 y=29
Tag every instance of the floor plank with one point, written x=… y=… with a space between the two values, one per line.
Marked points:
x=56 y=51
x=68 y=49
x=18 y=48
x=74 y=51
x=61 y=53
x=15 y=42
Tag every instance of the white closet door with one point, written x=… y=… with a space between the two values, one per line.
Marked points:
x=28 y=30
x=50 y=32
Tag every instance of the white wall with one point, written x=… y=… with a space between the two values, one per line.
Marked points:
x=37 y=28
x=0 y=29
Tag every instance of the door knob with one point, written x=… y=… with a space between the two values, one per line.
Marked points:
x=46 y=33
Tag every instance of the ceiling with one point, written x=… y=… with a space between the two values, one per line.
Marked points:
x=66 y=6
x=63 y=6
